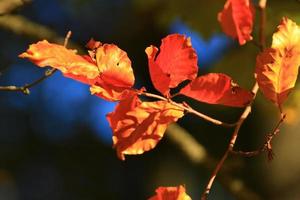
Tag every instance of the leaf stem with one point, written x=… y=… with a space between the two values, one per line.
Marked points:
x=189 y=109
x=25 y=89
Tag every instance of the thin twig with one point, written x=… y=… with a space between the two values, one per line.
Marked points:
x=48 y=73
x=247 y=111
x=244 y=115
x=266 y=146
x=189 y=109
x=198 y=155
x=262 y=24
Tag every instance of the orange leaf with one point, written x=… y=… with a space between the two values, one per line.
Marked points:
x=170 y=193
x=67 y=61
x=138 y=127
x=237 y=19
x=176 y=62
x=277 y=67
x=107 y=69
x=216 y=88
x=116 y=75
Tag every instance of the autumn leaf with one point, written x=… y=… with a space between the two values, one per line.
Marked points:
x=138 y=126
x=237 y=19
x=107 y=68
x=217 y=88
x=277 y=67
x=116 y=75
x=67 y=61
x=176 y=62
x=170 y=193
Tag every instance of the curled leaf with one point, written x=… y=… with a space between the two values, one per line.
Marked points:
x=176 y=62
x=217 y=88
x=237 y=19
x=138 y=126
x=171 y=193
x=116 y=75
x=107 y=68
x=277 y=67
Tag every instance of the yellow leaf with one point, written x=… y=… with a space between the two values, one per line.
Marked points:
x=277 y=67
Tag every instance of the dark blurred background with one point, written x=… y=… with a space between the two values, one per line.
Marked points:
x=56 y=143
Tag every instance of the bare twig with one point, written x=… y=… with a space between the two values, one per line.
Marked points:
x=244 y=115
x=266 y=146
x=48 y=73
x=247 y=111
x=7 y=6
x=197 y=155
x=189 y=109
x=262 y=24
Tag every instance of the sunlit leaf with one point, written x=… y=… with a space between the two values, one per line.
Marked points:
x=237 y=19
x=217 y=88
x=139 y=126
x=67 y=61
x=170 y=193
x=107 y=68
x=277 y=67
x=176 y=62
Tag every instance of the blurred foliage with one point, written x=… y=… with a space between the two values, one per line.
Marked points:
x=193 y=12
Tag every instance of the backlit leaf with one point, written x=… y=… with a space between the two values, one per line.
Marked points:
x=176 y=62
x=116 y=75
x=277 y=67
x=217 y=88
x=237 y=19
x=107 y=68
x=170 y=193
x=67 y=61
x=138 y=126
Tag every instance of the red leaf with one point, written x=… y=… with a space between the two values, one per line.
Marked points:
x=93 y=44
x=237 y=19
x=176 y=62
x=216 y=88
x=138 y=127
x=170 y=193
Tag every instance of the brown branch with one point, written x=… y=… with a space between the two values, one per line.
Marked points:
x=189 y=109
x=267 y=146
x=197 y=155
x=7 y=6
x=262 y=24
x=247 y=111
x=244 y=115
x=48 y=73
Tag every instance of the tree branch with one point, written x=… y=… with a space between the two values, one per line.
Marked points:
x=48 y=73
x=267 y=146
x=7 y=6
x=197 y=154
x=247 y=111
